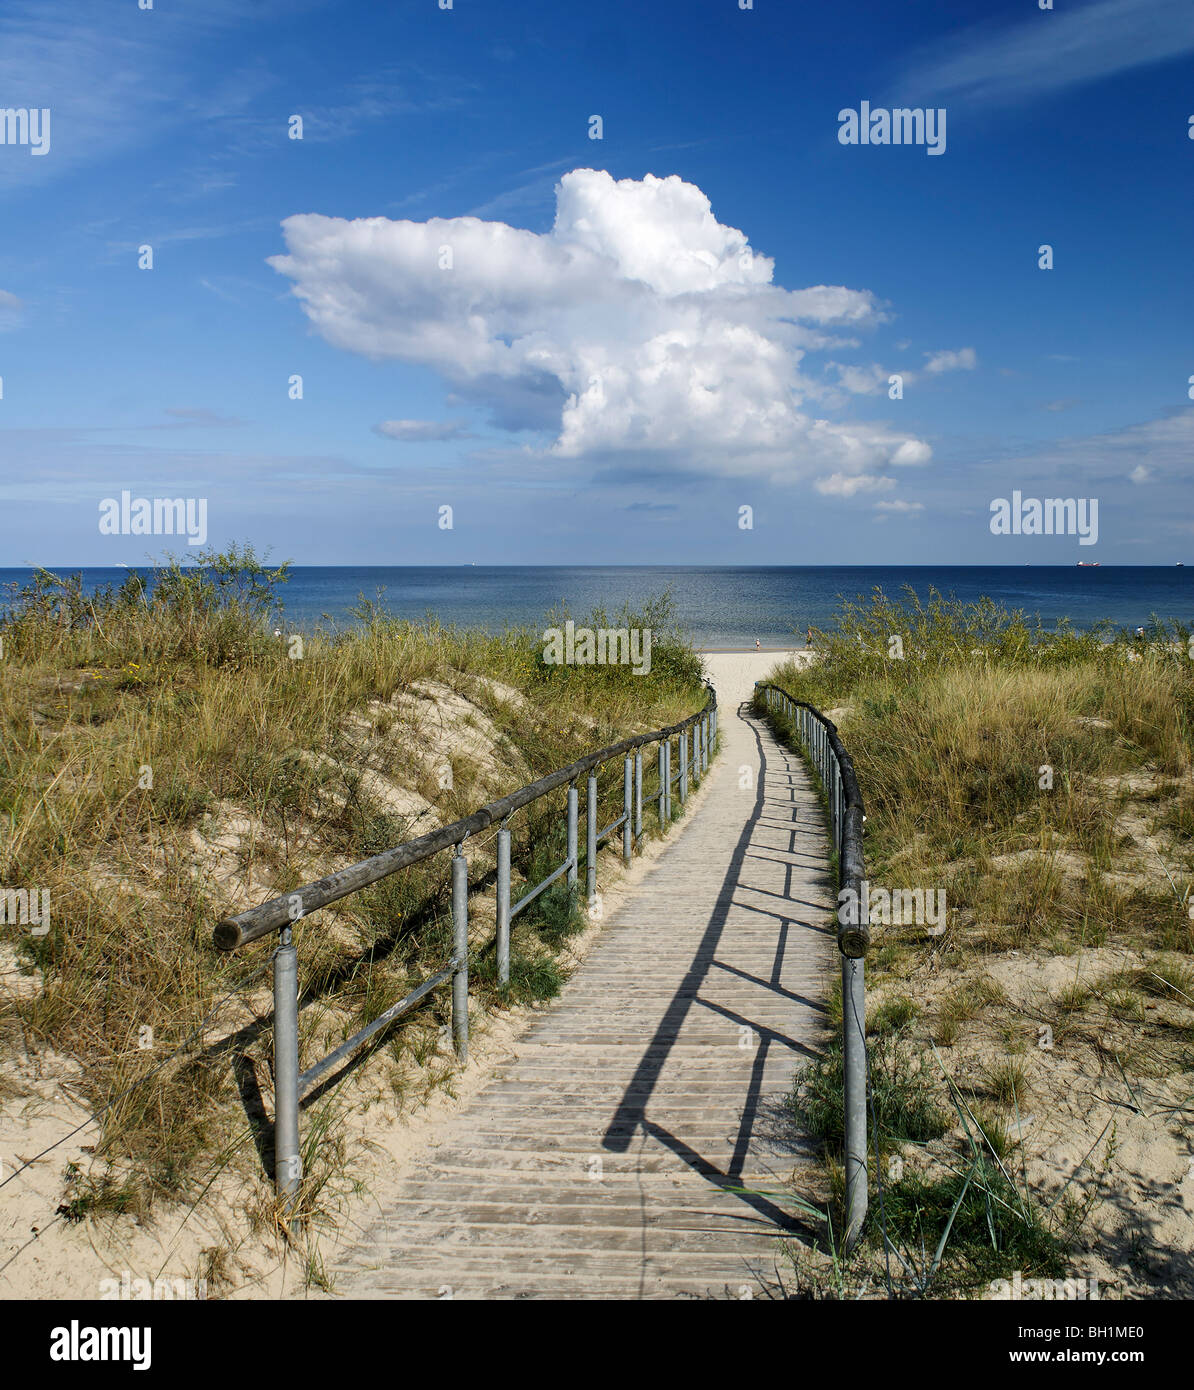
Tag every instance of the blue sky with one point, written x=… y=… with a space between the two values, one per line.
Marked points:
x=698 y=312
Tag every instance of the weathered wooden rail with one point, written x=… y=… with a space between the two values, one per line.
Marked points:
x=279 y=914
x=634 y=1140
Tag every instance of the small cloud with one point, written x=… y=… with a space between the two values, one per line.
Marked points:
x=1068 y=403
x=10 y=310
x=421 y=431
x=847 y=484
x=903 y=508
x=1141 y=474
x=911 y=453
x=865 y=381
x=650 y=507
x=964 y=359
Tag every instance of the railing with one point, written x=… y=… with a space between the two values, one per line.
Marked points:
x=835 y=768
x=280 y=914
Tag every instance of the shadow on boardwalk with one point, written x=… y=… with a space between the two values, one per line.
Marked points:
x=638 y=1144
x=763 y=1123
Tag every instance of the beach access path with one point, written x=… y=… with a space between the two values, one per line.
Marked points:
x=607 y=1158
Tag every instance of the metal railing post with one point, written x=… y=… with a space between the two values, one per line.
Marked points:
x=854 y=1049
x=638 y=795
x=503 y=904
x=696 y=754
x=460 y=953
x=627 y=809
x=279 y=914
x=683 y=766
x=832 y=765
x=288 y=1162
x=591 y=838
x=573 y=816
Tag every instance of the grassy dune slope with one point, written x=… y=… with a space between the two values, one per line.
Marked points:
x=167 y=760
x=1044 y=783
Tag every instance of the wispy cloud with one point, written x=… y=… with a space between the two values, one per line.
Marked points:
x=874 y=379
x=421 y=431
x=152 y=85
x=884 y=511
x=1050 y=51
x=191 y=416
x=847 y=485
x=10 y=310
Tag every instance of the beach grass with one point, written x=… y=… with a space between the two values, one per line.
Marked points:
x=168 y=759
x=1042 y=780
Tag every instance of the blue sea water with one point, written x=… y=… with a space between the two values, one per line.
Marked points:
x=720 y=606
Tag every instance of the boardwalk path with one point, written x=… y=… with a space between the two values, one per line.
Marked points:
x=599 y=1163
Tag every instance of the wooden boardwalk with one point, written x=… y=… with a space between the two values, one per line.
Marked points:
x=601 y=1163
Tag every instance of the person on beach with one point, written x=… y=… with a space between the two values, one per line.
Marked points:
x=756 y=644
x=808 y=638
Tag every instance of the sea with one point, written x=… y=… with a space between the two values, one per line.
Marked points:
x=720 y=607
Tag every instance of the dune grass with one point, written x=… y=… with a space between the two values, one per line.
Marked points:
x=1043 y=781
x=153 y=731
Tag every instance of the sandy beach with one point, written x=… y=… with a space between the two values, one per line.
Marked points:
x=734 y=673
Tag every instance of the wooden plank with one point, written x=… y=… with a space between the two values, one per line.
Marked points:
x=600 y=1162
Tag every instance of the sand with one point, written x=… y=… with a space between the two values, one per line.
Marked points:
x=44 y=1256
x=734 y=673
x=1139 y=1240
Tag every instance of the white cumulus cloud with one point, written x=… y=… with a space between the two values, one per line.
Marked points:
x=638 y=324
